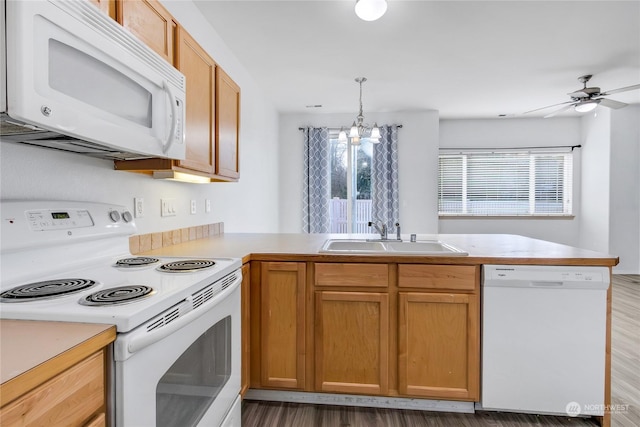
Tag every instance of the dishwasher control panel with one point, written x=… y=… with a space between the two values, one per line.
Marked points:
x=539 y=275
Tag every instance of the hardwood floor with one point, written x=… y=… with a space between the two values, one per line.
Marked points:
x=625 y=389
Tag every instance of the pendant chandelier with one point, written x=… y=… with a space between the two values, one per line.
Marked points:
x=359 y=129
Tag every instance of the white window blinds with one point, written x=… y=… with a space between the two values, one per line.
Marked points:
x=505 y=182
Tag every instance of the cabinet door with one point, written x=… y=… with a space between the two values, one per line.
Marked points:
x=199 y=69
x=283 y=324
x=246 y=328
x=439 y=353
x=352 y=342
x=107 y=6
x=150 y=22
x=227 y=125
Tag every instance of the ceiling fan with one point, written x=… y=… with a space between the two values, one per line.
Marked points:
x=588 y=98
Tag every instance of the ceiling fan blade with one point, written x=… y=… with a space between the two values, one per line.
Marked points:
x=548 y=106
x=612 y=104
x=622 y=89
x=558 y=111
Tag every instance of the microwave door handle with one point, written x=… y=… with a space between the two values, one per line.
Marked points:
x=174 y=114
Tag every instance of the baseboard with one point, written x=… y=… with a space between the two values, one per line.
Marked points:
x=358 y=400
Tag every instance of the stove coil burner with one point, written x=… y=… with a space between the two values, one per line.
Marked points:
x=45 y=290
x=186 y=266
x=119 y=295
x=136 y=262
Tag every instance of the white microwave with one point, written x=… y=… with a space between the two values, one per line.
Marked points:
x=78 y=81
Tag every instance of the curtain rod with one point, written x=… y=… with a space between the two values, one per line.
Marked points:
x=348 y=127
x=511 y=148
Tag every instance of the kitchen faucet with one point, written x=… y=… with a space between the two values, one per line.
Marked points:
x=382 y=228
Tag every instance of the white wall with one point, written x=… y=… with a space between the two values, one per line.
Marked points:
x=596 y=151
x=624 y=239
x=508 y=133
x=417 y=159
x=249 y=205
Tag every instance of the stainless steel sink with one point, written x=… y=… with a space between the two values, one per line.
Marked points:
x=390 y=247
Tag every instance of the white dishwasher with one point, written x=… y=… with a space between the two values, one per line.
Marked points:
x=544 y=339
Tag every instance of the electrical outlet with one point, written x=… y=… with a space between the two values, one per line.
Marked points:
x=167 y=207
x=207 y=205
x=138 y=207
x=193 y=207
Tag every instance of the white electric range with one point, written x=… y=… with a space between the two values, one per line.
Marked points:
x=176 y=358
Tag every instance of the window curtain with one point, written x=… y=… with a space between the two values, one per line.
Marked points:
x=316 y=181
x=384 y=178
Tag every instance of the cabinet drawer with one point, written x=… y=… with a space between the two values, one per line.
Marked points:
x=68 y=399
x=352 y=275
x=456 y=277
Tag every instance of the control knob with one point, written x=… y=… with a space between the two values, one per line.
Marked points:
x=115 y=216
x=126 y=216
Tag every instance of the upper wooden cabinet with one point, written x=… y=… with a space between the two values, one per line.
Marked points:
x=200 y=71
x=227 y=125
x=212 y=122
x=151 y=23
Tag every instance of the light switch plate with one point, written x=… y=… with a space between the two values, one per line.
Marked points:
x=193 y=207
x=207 y=205
x=168 y=207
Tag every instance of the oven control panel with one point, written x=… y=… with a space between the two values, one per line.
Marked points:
x=28 y=224
x=50 y=219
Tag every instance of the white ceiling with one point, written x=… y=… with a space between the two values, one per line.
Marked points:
x=467 y=59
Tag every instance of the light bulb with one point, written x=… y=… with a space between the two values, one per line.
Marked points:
x=342 y=136
x=354 y=131
x=375 y=132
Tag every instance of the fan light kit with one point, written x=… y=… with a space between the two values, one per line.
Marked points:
x=585 y=107
x=359 y=129
x=588 y=98
x=370 y=10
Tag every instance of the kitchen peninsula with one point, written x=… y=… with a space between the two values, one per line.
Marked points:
x=362 y=325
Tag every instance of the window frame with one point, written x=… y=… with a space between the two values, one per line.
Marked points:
x=568 y=181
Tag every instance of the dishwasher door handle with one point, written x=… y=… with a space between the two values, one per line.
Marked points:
x=543 y=284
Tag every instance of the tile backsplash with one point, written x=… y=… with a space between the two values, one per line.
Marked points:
x=146 y=242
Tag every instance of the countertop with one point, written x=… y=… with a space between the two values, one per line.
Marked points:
x=482 y=249
x=32 y=352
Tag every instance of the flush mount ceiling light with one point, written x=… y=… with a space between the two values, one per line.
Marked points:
x=586 y=106
x=359 y=129
x=370 y=10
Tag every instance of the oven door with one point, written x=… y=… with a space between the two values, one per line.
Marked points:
x=190 y=377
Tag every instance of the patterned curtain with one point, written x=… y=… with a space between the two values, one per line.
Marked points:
x=384 y=178
x=316 y=185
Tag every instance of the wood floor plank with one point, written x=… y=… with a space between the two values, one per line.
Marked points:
x=625 y=389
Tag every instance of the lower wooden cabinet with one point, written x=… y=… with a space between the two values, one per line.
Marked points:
x=72 y=398
x=367 y=328
x=352 y=342
x=438 y=345
x=282 y=289
x=245 y=292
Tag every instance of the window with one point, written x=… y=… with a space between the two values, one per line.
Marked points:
x=350 y=204
x=505 y=182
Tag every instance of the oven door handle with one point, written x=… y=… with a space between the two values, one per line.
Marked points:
x=128 y=344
